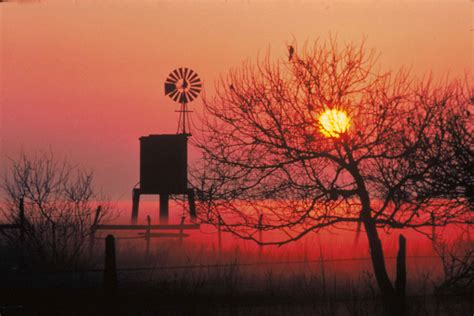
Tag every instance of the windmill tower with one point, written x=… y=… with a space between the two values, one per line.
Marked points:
x=164 y=158
x=183 y=85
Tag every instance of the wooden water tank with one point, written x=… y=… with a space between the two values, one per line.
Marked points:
x=163 y=164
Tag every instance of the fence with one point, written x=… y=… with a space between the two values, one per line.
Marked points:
x=111 y=269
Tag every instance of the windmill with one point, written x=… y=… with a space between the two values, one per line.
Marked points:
x=164 y=157
x=183 y=85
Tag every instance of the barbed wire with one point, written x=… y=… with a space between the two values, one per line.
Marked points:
x=233 y=265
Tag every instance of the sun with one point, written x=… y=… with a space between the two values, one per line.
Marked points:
x=333 y=123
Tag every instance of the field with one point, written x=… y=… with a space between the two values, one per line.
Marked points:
x=328 y=273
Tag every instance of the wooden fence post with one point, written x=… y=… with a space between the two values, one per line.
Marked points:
x=110 y=269
x=260 y=235
x=22 y=223
x=181 y=232
x=147 y=234
x=93 y=229
x=321 y=265
x=192 y=204
x=401 y=279
x=433 y=228
x=135 y=205
x=219 y=234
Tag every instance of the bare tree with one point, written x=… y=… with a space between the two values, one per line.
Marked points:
x=60 y=206
x=457 y=258
x=327 y=139
x=453 y=174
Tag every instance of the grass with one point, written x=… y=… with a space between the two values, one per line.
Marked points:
x=208 y=280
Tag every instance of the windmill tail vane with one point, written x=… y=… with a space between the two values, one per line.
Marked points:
x=183 y=85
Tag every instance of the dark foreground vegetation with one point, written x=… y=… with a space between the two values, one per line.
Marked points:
x=179 y=279
x=156 y=300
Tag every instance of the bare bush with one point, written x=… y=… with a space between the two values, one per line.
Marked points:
x=458 y=267
x=60 y=206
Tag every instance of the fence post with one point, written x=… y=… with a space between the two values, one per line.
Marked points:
x=181 y=231
x=147 y=234
x=22 y=233
x=219 y=233
x=321 y=265
x=192 y=204
x=433 y=228
x=93 y=229
x=401 y=279
x=110 y=269
x=135 y=205
x=260 y=235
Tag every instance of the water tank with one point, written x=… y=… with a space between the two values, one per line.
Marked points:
x=163 y=164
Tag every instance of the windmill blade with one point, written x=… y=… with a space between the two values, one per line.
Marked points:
x=191 y=74
x=195 y=90
x=172 y=77
x=171 y=80
x=196 y=83
x=186 y=73
x=169 y=87
x=173 y=94
x=194 y=75
x=176 y=73
x=177 y=96
x=193 y=93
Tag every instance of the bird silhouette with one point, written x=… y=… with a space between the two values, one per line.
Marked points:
x=291 y=51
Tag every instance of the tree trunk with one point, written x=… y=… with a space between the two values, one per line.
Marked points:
x=377 y=257
x=389 y=295
x=401 y=280
x=393 y=297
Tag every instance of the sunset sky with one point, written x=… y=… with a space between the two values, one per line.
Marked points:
x=85 y=78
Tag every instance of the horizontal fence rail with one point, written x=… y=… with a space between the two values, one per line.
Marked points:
x=144 y=227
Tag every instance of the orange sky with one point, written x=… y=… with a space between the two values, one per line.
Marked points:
x=86 y=77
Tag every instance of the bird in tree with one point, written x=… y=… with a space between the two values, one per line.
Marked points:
x=291 y=51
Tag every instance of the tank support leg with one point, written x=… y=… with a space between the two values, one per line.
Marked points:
x=136 y=202
x=192 y=203
x=164 y=202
